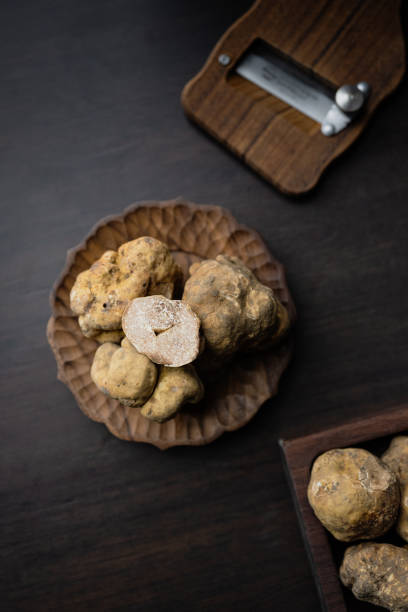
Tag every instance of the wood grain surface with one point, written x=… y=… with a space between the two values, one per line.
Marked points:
x=373 y=433
x=339 y=42
x=90 y=121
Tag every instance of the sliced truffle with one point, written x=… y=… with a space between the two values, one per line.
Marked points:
x=167 y=331
x=175 y=388
x=140 y=267
x=396 y=457
x=123 y=373
x=354 y=494
x=236 y=311
x=378 y=574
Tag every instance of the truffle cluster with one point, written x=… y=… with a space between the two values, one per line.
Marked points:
x=358 y=496
x=149 y=340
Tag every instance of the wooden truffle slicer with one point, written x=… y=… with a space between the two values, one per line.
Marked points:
x=293 y=83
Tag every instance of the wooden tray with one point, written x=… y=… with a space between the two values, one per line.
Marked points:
x=340 y=42
x=325 y=552
x=192 y=233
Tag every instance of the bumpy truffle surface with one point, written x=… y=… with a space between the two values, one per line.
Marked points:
x=396 y=457
x=175 y=387
x=123 y=373
x=378 y=574
x=236 y=311
x=100 y=295
x=167 y=331
x=114 y=336
x=354 y=494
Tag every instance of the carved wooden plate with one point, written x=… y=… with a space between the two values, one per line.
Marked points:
x=192 y=232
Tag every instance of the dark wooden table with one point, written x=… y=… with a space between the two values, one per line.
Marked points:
x=90 y=121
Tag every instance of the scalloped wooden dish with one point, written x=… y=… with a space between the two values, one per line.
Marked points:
x=192 y=233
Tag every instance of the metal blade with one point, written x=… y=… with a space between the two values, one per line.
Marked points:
x=281 y=81
x=290 y=84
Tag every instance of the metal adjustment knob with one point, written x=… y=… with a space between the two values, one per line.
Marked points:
x=349 y=98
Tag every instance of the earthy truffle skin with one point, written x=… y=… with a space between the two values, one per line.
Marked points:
x=175 y=388
x=236 y=311
x=354 y=494
x=378 y=574
x=115 y=336
x=166 y=331
x=140 y=267
x=396 y=457
x=123 y=373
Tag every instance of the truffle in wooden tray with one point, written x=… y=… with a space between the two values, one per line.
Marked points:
x=181 y=235
x=326 y=553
